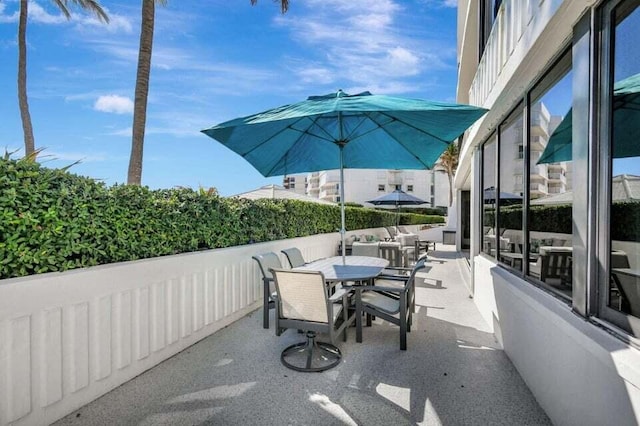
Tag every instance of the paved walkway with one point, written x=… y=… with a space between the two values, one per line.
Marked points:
x=453 y=373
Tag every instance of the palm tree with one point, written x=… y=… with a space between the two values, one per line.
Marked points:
x=284 y=4
x=90 y=5
x=448 y=163
x=134 y=174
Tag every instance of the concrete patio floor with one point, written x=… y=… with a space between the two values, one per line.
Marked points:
x=453 y=373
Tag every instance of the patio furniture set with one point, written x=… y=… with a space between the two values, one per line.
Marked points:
x=330 y=295
x=400 y=248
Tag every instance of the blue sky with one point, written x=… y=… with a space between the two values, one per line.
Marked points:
x=212 y=61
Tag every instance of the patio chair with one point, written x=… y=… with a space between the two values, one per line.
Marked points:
x=628 y=285
x=376 y=301
x=294 y=256
x=266 y=261
x=365 y=249
x=408 y=247
x=303 y=304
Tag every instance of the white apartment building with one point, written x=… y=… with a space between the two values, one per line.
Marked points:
x=362 y=185
x=559 y=284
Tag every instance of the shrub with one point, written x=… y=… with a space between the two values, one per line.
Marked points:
x=52 y=220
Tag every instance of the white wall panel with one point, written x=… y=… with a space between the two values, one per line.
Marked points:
x=68 y=338
x=51 y=357
x=19 y=368
x=102 y=338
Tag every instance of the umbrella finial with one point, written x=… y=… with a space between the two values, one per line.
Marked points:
x=340 y=94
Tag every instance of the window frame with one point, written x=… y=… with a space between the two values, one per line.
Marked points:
x=603 y=117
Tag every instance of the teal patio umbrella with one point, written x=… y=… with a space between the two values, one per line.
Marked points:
x=626 y=126
x=339 y=131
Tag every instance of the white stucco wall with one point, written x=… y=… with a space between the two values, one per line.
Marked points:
x=579 y=373
x=67 y=338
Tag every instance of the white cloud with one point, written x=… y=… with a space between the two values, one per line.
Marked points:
x=40 y=15
x=450 y=3
x=365 y=43
x=7 y=18
x=114 y=103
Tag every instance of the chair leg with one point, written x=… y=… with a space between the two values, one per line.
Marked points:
x=403 y=321
x=265 y=305
x=358 y=315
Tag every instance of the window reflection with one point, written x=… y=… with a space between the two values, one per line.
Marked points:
x=489 y=197
x=511 y=191
x=550 y=183
x=624 y=283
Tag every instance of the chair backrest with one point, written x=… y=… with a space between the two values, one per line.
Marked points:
x=294 y=256
x=407 y=239
x=302 y=295
x=402 y=229
x=392 y=231
x=365 y=249
x=267 y=261
x=629 y=286
x=391 y=251
x=420 y=265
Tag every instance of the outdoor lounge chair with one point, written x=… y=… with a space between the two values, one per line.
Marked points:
x=377 y=301
x=294 y=256
x=266 y=261
x=303 y=304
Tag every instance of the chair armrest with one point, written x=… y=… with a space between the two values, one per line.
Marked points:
x=339 y=294
x=398 y=268
x=393 y=278
x=381 y=289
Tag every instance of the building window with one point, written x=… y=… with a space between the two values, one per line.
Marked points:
x=489 y=197
x=398 y=187
x=510 y=201
x=380 y=188
x=409 y=188
x=292 y=185
x=550 y=213
x=621 y=107
x=520 y=152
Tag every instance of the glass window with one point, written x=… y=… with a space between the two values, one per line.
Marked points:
x=510 y=192
x=398 y=187
x=381 y=188
x=623 y=289
x=550 y=214
x=409 y=188
x=489 y=197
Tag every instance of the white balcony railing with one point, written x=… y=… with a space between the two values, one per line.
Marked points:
x=514 y=18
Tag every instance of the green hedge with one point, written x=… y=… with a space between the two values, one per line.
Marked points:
x=625 y=225
x=52 y=220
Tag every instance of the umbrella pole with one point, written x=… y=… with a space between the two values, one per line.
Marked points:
x=342 y=229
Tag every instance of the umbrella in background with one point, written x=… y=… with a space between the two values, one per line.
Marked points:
x=397 y=198
x=505 y=197
x=626 y=126
x=339 y=131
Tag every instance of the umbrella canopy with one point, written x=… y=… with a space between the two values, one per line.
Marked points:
x=626 y=126
x=338 y=131
x=508 y=197
x=397 y=198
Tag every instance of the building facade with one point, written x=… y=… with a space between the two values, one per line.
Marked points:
x=362 y=185
x=559 y=282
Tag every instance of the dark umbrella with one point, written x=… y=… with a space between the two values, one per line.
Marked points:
x=505 y=197
x=397 y=198
x=339 y=131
